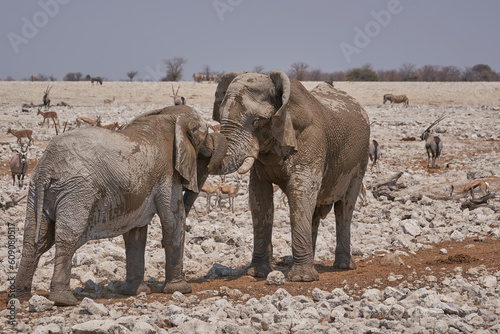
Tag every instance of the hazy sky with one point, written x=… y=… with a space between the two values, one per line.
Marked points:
x=111 y=37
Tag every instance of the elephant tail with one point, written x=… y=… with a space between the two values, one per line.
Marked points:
x=40 y=193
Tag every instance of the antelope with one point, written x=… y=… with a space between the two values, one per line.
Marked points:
x=178 y=100
x=96 y=80
x=362 y=194
x=374 y=154
x=22 y=133
x=46 y=98
x=229 y=191
x=87 y=120
x=282 y=202
x=396 y=99
x=19 y=166
x=48 y=115
x=471 y=187
x=433 y=144
x=198 y=77
x=109 y=101
x=214 y=127
x=210 y=191
x=112 y=126
x=214 y=78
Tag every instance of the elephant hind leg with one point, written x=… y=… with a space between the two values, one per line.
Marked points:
x=30 y=256
x=60 y=292
x=343 y=215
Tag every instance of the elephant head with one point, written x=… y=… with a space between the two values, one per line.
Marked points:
x=253 y=111
x=195 y=146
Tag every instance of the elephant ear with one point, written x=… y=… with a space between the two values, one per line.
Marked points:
x=185 y=152
x=224 y=82
x=281 y=121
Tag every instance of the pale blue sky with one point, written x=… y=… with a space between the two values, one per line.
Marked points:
x=111 y=37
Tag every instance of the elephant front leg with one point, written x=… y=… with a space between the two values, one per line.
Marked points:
x=262 y=208
x=173 y=223
x=302 y=195
x=135 y=245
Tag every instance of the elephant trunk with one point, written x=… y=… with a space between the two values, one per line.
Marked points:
x=242 y=151
x=216 y=145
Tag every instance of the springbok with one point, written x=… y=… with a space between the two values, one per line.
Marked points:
x=87 y=120
x=48 y=115
x=46 y=98
x=433 y=144
x=475 y=186
x=228 y=191
x=22 y=134
x=178 y=100
x=282 y=202
x=112 y=126
x=19 y=166
x=396 y=99
x=109 y=101
x=210 y=191
x=362 y=195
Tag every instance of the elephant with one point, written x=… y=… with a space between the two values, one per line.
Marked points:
x=94 y=183
x=313 y=145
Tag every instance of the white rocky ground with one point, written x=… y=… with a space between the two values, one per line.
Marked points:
x=220 y=243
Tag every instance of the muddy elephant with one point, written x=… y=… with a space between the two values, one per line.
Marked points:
x=313 y=145
x=94 y=183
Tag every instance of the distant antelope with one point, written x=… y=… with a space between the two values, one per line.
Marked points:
x=396 y=99
x=433 y=144
x=471 y=187
x=48 y=115
x=210 y=191
x=112 y=126
x=362 y=194
x=214 y=78
x=374 y=154
x=198 y=77
x=87 y=120
x=109 y=101
x=214 y=127
x=228 y=191
x=22 y=134
x=19 y=165
x=178 y=100
x=46 y=98
x=281 y=201
x=96 y=80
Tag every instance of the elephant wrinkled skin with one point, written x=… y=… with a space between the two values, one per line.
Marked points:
x=313 y=145
x=94 y=183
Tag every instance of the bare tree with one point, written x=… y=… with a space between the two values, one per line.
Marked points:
x=315 y=75
x=131 y=75
x=298 y=70
x=258 y=69
x=174 y=68
x=72 y=76
x=407 y=72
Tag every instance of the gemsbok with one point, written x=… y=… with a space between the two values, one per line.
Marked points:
x=433 y=144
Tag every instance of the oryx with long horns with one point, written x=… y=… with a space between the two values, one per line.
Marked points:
x=433 y=144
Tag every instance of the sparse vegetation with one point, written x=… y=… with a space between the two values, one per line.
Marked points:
x=132 y=74
x=174 y=68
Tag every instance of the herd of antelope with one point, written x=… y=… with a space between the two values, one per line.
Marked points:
x=433 y=148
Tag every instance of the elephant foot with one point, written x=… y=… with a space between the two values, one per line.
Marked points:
x=181 y=286
x=63 y=298
x=259 y=270
x=23 y=295
x=132 y=288
x=344 y=262
x=302 y=273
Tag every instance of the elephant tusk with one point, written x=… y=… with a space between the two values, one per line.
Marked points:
x=247 y=164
